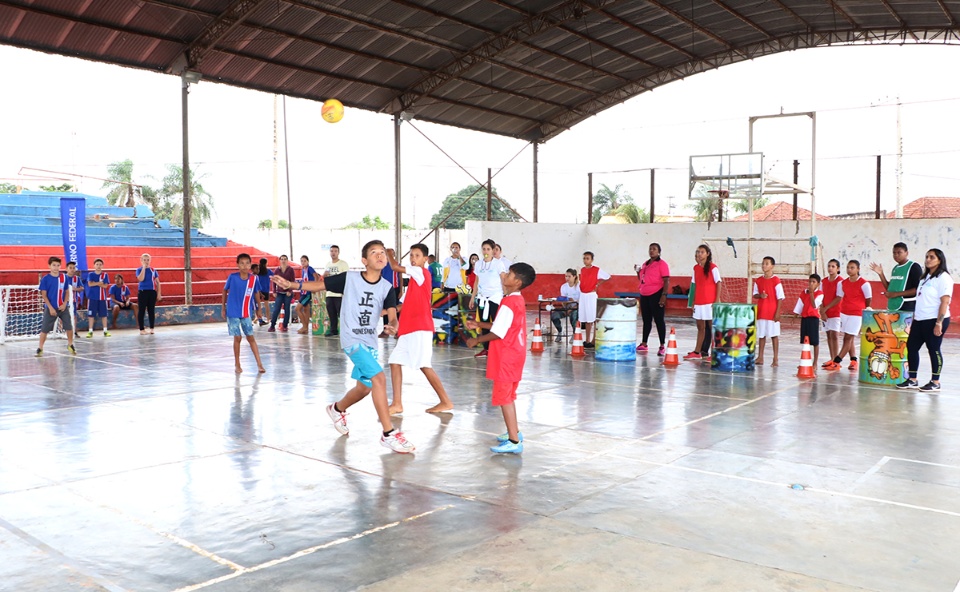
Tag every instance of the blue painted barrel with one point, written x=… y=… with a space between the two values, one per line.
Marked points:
x=616 y=329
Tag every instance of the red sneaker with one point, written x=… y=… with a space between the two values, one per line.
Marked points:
x=480 y=353
x=831 y=365
x=692 y=356
x=853 y=365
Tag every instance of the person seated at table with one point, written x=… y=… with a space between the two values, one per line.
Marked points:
x=566 y=305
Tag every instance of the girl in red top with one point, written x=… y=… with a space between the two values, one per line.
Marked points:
x=470 y=276
x=829 y=312
x=854 y=295
x=508 y=352
x=706 y=277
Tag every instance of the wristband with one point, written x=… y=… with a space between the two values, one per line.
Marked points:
x=301 y=286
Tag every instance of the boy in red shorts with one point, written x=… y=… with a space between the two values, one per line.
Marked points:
x=508 y=351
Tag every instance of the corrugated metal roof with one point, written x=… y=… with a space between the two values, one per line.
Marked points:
x=523 y=68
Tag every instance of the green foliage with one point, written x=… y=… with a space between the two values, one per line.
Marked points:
x=120 y=175
x=605 y=200
x=368 y=223
x=741 y=206
x=10 y=188
x=265 y=225
x=170 y=196
x=62 y=188
x=474 y=209
x=631 y=213
x=283 y=224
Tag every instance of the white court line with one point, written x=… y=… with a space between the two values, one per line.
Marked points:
x=873 y=470
x=306 y=552
x=923 y=462
x=957 y=589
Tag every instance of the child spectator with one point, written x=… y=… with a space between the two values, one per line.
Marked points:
x=469 y=274
x=75 y=277
x=98 y=286
x=706 y=277
x=120 y=299
x=808 y=307
x=55 y=293
x=241 y=295
x=567 y=303
x=365 y=295
x=414 y=347
x=452 y=265
x=263 y=280
x=436 y=272
x=769 y=292
x=305 y=308
x=508 y=352
x=487 y=290
x=854 y=295
x=830 y=312
x=591 y=277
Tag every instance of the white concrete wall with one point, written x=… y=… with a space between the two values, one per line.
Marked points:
x=552 y=248
x=315 y=243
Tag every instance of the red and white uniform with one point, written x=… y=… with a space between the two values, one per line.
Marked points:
x=808 y=305
x=706 y=286
x=767 y=307
x=415 y=344
x=854 y=294
x=589 y=279
x=508 y=354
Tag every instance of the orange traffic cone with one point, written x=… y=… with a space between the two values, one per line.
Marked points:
x=577 y=348
x=671 y=358
x=805 y=369
x=536 y=344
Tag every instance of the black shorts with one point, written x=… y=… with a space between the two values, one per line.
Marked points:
x=264 y=296
x=810 y=328
x=122 y=306
x=306 y=299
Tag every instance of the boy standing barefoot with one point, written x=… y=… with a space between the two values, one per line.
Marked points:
x=415 y=343
x=241 y=297
x=365 y=295
x=508 y=352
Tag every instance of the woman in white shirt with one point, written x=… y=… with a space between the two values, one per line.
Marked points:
x=930 y=320
x=570 y=291
x=487 y=290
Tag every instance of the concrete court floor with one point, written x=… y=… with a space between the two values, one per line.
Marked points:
x=146 y=464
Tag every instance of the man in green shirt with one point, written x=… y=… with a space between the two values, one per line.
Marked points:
x=901 y=288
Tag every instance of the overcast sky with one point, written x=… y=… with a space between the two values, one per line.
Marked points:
x=72 y=115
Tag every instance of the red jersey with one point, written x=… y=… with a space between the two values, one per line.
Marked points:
x=767 y=307
x=854 y=300
x=808 y=304
x=417 y=304
x=829 y=288
x=588 y=278
x=706 y=284
x=507 y=355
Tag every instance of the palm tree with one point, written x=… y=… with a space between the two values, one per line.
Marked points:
x=120 y=175
x=171 y=194
x=607 y=199
x=630 y=213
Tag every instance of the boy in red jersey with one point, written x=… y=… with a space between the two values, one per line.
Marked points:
x=591 y=277
x=415 y=331
x=769 y=292
x=508 y=352
x=808 y=307
x=854 y=295
x=706 y=280
x=830 y=312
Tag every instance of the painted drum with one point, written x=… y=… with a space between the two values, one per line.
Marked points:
x=319 y=324
x=616 y=329
x=883 y=346
x=734 y=337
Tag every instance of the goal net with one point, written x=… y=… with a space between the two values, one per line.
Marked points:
x=21 y=313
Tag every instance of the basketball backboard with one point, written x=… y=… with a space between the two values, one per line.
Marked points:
x=730 y=176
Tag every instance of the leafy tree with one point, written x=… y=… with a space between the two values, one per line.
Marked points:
x=283 y=224
x=265 y=225
x=606 y=200
x=10 y=188
x=741 y=206
x=374 y=223
x=474 y=209
x=631 y=213
x=62 y=188
x=170 y=196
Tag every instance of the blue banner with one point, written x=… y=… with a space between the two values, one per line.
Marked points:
x=73 y=223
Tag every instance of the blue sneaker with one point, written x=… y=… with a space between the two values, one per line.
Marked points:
x=506 y=447
x=505 y=437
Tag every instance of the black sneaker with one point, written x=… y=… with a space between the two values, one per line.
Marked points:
x=908 y=384
x=39 y=352
x=72 y=350
x=931 y=386
x=589 y=345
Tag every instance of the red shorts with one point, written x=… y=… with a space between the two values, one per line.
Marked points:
x=504 y=393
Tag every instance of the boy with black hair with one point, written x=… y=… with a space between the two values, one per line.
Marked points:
x=591 y=277
x=365 y=295
x=98 y=284
x=120 y=299
x=808 y=307
x=241 y=298
x=55 y=293
x=508 y=352
x=415 y=344
x=75 y=279
x=769 y=292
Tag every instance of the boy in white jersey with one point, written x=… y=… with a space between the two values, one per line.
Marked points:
x=365 y=295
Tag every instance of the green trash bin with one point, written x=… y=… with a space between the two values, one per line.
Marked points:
x=883 y=346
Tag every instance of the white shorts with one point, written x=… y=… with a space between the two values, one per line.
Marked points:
x=588 y=307
x=703 y=312
x=414 y=350
x=850 y=324
x=767 y=328
x=832 y=324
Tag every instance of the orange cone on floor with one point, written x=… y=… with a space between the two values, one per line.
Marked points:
x=576 y=349
x=805 y=369
x=671 y=358
x=536 y=344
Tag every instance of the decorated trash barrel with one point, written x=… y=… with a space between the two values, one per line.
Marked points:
x=734 y=337
x=616 y=329
x=883 y=346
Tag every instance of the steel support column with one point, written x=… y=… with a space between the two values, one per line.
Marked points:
x=185 y=177
x=653 y=186
x=589 y=198
x=397 y=226
x=286 y=160
x=489 y=194
x=536 y=193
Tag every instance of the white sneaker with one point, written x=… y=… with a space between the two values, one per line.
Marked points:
x=339 y=420
x=397 y=443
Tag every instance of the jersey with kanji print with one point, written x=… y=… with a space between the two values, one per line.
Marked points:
x=363 y=303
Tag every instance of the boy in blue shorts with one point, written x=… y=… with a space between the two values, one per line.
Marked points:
x=241 y=297
x=98 y=284
x=365 y=296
